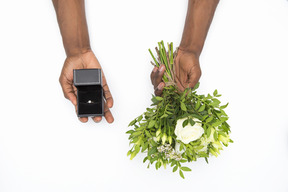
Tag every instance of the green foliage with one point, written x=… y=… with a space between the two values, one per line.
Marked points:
x=153 y=131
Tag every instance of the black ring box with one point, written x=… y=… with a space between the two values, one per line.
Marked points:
x=89 y=92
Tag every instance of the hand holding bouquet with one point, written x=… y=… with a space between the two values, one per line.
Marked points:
x=180 y=126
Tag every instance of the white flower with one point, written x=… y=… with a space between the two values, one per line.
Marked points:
x=217 y=145
x=188 y=133
x=204 y=143
x=211 y=136
x=177 y=148
x=224 y=139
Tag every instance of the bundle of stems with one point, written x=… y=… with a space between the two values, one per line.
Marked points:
x=167 y=59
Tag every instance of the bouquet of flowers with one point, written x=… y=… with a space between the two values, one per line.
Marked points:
x=179 y=127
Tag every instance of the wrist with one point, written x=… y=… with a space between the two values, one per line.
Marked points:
x=190 y=50
x=77 y=51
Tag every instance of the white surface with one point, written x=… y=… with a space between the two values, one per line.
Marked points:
x=43 y=147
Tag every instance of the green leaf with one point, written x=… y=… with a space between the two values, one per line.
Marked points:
x=183 y=95
x=183 y=161
x=196 y=116
x=145 y=146
x=209 y=96
x=206 y=159
x=217 y=123
x=224 y=106
x=158 y=165
x=137 y=149
x=181 y=147
x=209 y=119
x=208 y=131
x=154 y=100
x=151 y=123
x=215 y=102
x=147 y=133
x=145 y=159
x=197 y=105
x=183 y=106
x=203 y=154
x=202 y=108
x=185 y=123
x=181 y=174
x=139 y=128
x=139 y=118
x=163 y=116
x=185 y=169
x=215 y=135
x=191 y=122
x=132 y=123
x=159 y=98
x=130 y=131
x=136 y=133
x=175 y=168
x=152 y=151
x=196 y=86
x=215 y=92
x=133 y=154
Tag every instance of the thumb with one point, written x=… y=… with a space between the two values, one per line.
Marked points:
x=72 y=97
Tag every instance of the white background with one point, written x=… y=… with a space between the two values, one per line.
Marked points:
x=43 y=146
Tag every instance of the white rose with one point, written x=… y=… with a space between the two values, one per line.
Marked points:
x=188 y=133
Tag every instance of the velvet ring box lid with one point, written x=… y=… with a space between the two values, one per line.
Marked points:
x=89 y=92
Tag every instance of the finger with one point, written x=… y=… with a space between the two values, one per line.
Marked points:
x=159 y=89
x=192 y=83
x=153 y=73
x=83 y=119
x=194 y=79
x=158 y=76
x=107 y=114
x=107 y=93
x=68 y=90
x=179 y=84
x=97 y=119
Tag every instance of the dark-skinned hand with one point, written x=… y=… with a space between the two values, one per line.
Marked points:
x=83 y=61
x=187 y=68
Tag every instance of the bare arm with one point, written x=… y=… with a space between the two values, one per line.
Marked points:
x=73 y=27
x=188 y=72
x=198 y=19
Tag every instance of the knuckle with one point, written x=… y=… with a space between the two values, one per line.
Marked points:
x=60 y=80
x=107 y=92
x=65 y=95
x=199 y=73
x=157 y=92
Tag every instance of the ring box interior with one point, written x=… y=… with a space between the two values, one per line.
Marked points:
x=89 y=92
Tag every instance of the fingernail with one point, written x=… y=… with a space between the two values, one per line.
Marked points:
x=155 y=69
x=160 y=86
x=161 y=68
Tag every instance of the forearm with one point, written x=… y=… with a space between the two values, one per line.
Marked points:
x=198 y=19
x=73 y=26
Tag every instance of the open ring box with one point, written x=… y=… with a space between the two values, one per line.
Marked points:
x=89 y=92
